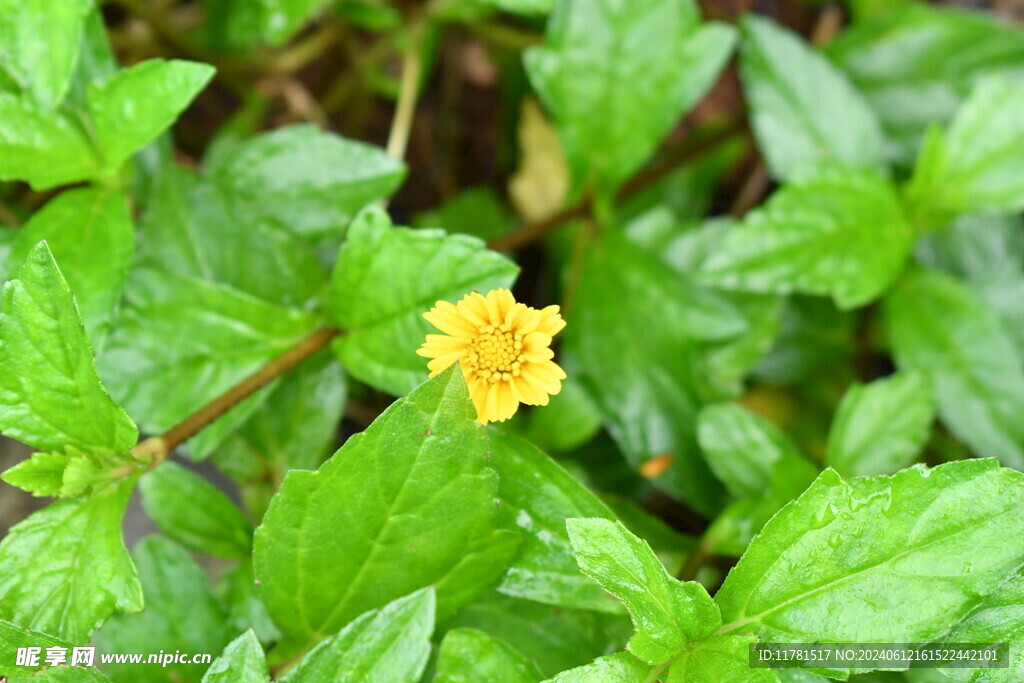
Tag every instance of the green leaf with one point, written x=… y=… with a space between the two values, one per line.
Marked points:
x=236 y=591
x=40 y=475
x=477 y=212
x=940 y=328
x=383 y=282
x=309 y=180
x=66 y=567
x=242 y=661
x=205 y=230
x=96 y=61
x=295 y=427
x=669 y=545
x=832 y=231
x=916 y=65
x=719 y=658
x=523 y=7
x=999 y=618
x=750 y=455
x=39 y=45
x=641 y=64
x=569 y=420
x=13 y=637
x=42 y=148
x=52 y=397
x=976 y=166
x=391 y=643
x=881 y=427
x=540 y=496
x=621 y=668
x=554 y=638
x=135 y=105
x=888 y=559
x=90 y=233
x=804 y=110
x=193 y=512
x=646 y=385
x=666 y=613
x=199 y=337
x=407 y=503
x=736 y=525
x=181 y=614
x=469 y=656
x=279 y=19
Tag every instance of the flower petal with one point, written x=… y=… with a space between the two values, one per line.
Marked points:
x=474 y=308
x=551 y=322
x=449 y=321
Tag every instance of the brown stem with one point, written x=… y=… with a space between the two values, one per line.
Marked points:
x=157 y=448
x=685 y=153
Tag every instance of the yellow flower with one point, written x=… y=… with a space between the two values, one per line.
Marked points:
x=503 y=347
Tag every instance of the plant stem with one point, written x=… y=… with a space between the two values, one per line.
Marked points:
x=685 y=153
x=157 y=448
x=401 y=125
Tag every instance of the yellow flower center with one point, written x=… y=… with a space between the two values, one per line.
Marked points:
x=496 y=353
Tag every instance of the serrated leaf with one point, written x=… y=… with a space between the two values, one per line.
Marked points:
x=999 y=618
x=646 y=385
x=540 y=496
x=199 y=337
x=804 y=110
x=193 y=512
x=66 y=567
x=14 y=637
x=181 y=614
x=666 y=613
x=386 y=278
x=467 y=656
x=652 y=54
x=309 y=180
x=136 y=104
x=243 y=661
x=554 y=638
x=51 y=396
x=391 y=643
x=976 y=166
x=205 y=229
x=89 y=232
x=42 y=148
x=40 y=475
x=719 y=658
x=621 y=668
x=915 y=65
x=940 y=328
x=832 y=231
x=750 y=455
x=887 y=559
x=881 y=427
x=39 y=45
x=416 y=483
